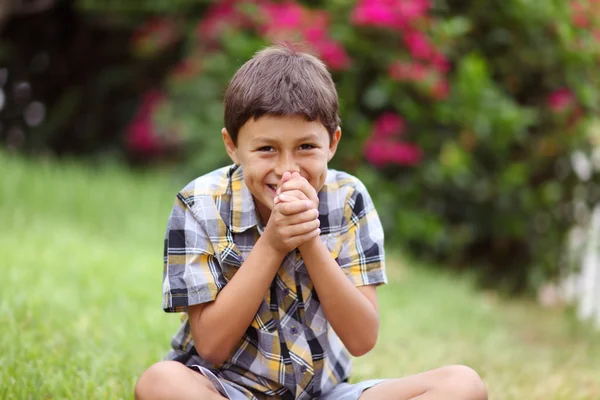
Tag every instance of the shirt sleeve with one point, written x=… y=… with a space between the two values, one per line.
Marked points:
x=362 y=255
x=192 y=274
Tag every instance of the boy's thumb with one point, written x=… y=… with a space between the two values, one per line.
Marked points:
x=286 y=177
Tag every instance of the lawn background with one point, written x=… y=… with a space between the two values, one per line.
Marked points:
x=80 y=312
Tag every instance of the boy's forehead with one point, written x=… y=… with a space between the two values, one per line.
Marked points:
x=282 y=128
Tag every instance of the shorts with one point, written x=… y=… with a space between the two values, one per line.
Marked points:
x=343 y=391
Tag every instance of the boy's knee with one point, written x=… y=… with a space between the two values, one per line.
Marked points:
x=464 y=382
x=169 y=379
x=151 y=380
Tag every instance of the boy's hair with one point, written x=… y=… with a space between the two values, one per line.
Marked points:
x=281 y=80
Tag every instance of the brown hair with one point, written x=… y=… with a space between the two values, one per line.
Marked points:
x=281 y=80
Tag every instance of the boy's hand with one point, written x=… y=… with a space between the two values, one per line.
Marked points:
x=291 y=224
x=294 y=186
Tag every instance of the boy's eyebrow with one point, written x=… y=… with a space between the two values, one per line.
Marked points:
x=263 y=140
x=309 y=138
x=268 y=141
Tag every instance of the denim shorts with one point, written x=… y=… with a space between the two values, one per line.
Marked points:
x=343 y=391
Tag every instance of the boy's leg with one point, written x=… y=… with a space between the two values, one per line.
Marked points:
x=455 y=382
x=172 y=380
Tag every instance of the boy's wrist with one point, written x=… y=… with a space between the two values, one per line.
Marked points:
x=310 y=245
x=268 y=249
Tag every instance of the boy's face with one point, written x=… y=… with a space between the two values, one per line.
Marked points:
x=271 y=145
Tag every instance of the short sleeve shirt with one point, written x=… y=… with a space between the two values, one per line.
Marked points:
x=289 y=351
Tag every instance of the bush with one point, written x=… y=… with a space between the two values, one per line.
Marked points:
x=460 y=116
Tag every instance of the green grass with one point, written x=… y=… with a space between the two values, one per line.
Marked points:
x=80 y=304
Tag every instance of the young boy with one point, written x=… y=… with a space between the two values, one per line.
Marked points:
x=276 y=259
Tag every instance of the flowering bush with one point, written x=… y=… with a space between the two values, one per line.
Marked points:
x=460 y=120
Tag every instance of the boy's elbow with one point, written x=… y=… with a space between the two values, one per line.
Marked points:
x=212 y=353
x=362 y=345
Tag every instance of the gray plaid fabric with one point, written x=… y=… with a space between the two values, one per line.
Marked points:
x=289 y=350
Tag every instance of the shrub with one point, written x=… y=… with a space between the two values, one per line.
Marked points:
x=460 y=116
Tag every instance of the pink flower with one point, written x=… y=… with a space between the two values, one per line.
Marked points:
x=401 y=71
x=440 y=63
x=141 y=136
x=418 y=45
x=405 y=154
x=286 y=15
x=154 y=35
x=561 y=99
x=387 y=125
x=441 y=89
x=291 y=21
x=394 y=14
x=382 y=152
x=188 y=68
x=413 y=9
x=374 y=14
x=217 y=19
x=333 y=54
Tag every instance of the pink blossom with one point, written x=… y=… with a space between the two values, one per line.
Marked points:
x=387 y=125
x=141 y=134
x=405 y=154
x=401 y=71
x=218 y=18
x=286 y=15
x=440 y=63
x=441 y=89
x=154 y=35
x=394 y=14
x=333 y=54
x=418 y=45
x=413 y=9
x=291 y=21
x=374 y=14
x=560 y=99
x=382 y=152
x=188 y=68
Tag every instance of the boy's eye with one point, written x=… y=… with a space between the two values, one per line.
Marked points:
x=307 y=146
x=265 y=148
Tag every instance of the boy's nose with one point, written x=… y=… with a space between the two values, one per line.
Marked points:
x=286 y=164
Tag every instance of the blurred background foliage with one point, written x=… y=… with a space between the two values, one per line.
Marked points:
x=475 y=125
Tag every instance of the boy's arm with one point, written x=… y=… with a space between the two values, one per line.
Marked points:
x=218 y=326
x=352 y=311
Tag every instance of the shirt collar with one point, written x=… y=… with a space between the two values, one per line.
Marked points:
x=243 y=214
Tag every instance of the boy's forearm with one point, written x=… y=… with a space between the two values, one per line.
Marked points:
x=352 y=315
x=222 y=323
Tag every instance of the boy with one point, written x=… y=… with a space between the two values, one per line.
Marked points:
x=275 y=260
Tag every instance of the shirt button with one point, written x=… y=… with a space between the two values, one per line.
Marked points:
x=286 y=291
x=294 y=330
x=303 y=369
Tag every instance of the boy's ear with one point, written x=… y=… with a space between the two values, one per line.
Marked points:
x=333 y=143
x=230 y=146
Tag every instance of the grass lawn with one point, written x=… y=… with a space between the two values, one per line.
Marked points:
x=80 y=304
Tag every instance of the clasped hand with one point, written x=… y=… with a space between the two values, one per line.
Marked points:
x=294 y=219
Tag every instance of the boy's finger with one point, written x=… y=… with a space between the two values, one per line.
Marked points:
x=286 y=177
x=301 y=239
x=304 y=216
x=291 y=195
x=302 y=228
x=301 y=185
x=293 y=207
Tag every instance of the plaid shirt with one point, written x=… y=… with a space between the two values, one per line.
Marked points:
x=289 y=350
